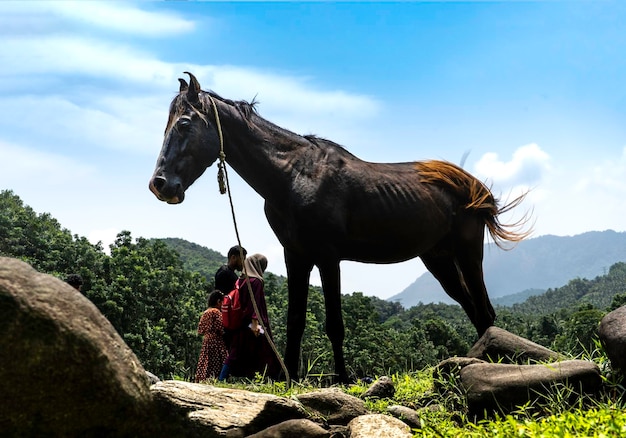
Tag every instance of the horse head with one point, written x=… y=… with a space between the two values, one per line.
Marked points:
x=191 y=144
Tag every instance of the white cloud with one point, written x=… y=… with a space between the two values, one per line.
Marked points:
x=133 y=124
x=276 y=90
x=608 y=177
x=120 y=17
x=578 y=196
x=527 y=167
x=21 y=164
x=85 y=56
x=292 y=102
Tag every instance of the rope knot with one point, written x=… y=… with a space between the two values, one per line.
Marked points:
x=220 y=177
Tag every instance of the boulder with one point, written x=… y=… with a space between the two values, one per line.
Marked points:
x=199 y=410
x=407 y=415
x=293 y=428
x=499 y=345
x=378 y=426
x=448 y=371
x=612 y=334
x=381 y=388
x=502 y=387
x=65 y=370
x=332 y=406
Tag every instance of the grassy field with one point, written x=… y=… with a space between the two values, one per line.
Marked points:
x=444 y=413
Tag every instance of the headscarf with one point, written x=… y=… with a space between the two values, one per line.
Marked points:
x=255 y=265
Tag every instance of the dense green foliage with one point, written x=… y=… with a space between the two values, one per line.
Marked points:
x=154 y=291
x=196 y=258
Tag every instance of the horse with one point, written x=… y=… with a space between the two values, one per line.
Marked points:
x=326 y=205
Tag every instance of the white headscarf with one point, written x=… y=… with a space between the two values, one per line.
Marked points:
x=255 y=265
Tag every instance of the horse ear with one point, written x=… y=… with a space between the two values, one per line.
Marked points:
x=194 y=88
x=183 y=85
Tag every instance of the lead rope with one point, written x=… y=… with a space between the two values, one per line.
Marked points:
x=222 y=180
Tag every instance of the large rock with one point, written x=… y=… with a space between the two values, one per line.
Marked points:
x=448 y=371
x=493 y=387
x=381 y=388
x=378 y=426
x=293 y=428
x=332 y=406
x=499 y=345
x=64 y=369
x=407 y=415
x=199 y=410
x=612 y=334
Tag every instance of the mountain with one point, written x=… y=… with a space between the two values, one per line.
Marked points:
x=533 y=266
x=599 y=292
x=519 y=297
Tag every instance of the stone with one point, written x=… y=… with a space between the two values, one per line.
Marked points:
x=293 y=428
x=332 y=406
x=65 y=370
x=499 y=345
x=447 y=372
x=378 y=426
x=381 y=388
x=406 y=415
x=196 y=409
x=502 y=387
x=152 y=378
x=612 y=334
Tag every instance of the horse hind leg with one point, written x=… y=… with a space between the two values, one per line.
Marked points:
x=445 y=269
x=469 y=256
x=470 y=265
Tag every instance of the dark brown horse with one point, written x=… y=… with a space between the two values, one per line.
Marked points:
x=326 y=205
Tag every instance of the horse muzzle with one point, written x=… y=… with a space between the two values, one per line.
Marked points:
x=166 y=191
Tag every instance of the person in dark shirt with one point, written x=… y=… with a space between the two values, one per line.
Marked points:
x=225 y=277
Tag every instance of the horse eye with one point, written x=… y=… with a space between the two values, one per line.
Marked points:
x=183 y=123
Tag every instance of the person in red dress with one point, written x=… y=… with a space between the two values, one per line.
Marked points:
x=213 y=352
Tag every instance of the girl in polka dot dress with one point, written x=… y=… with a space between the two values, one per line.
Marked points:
x=213 y=352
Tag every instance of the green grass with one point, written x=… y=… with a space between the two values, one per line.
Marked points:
x=444 y=413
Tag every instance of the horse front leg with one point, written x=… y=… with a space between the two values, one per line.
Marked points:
x=298 y=274
x=330 y=276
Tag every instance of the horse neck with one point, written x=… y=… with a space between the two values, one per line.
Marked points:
x=262 y=153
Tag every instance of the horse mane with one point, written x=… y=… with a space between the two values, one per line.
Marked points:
x=246 y=109
x=180 y=104
x=477 y=197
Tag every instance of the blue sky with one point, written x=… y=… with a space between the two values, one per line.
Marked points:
x=533 y=91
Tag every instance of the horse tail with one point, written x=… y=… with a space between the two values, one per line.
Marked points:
x=478 y=198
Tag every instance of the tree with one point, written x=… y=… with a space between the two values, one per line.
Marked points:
x=580 y=331
x=155 y=304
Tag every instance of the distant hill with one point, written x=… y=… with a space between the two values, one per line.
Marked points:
x=598 y=292
x=196 y=257
x=509 y=300
x=533 y=265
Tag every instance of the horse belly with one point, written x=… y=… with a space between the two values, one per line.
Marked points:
x=393 y=241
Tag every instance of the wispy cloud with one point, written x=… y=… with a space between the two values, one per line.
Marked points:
x=45 y=17
x=608 y=177
x=20 y=164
